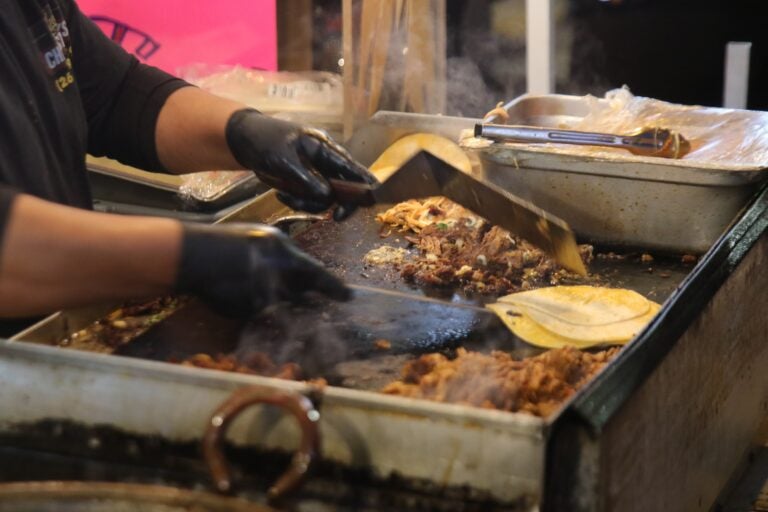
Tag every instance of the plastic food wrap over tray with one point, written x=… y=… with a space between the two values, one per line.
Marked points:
x=737 y=139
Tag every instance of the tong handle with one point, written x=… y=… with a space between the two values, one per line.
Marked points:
x=352 y=192
x=658 y=142
x=529 y=134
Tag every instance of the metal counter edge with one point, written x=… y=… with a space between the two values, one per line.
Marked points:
x=603 y=397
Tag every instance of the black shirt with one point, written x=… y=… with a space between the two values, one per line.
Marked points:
x=66 y=89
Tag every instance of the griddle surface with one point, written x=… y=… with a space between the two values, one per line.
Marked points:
x=342 y=247
x=337 y=341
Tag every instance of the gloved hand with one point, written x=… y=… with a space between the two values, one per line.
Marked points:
x=293 y=159
x=241 y=269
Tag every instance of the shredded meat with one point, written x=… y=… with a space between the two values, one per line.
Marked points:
x=536 y=385
x=459 y=249
x=416 y=214
x=257 y=363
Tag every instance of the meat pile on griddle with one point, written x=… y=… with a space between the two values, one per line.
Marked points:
x=256 y=363
x=536 y=385
x=459 y=249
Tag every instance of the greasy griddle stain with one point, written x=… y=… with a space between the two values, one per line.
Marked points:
x=55 y=449
x=341 y=246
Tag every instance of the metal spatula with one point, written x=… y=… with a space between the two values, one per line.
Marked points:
x=425 y=175
x=658 y=142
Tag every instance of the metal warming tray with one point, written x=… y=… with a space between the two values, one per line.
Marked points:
x=639 y=202
x=624 y=200
x=118 y=188
x=497 y=454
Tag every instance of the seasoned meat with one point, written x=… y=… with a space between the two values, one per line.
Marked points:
x=459 y=249
x=536 y=385
x=256 y=363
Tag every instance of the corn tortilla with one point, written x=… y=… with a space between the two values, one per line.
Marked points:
x=579 y=316
x=406 y=147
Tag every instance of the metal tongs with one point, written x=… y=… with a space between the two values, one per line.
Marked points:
x=659 y=142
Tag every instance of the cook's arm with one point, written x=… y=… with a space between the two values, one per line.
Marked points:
x=196 y=130
x=55 y=257
x=144 y=117
x=191 y=132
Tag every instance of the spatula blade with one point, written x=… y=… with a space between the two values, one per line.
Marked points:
x=427 y=175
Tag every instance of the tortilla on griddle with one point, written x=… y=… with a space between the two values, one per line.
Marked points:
x=529 y=331
x=406 y=148
x=580 y=316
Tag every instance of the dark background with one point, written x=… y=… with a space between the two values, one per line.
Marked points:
x=673 y=50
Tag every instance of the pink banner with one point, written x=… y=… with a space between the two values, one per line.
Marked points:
x=170 y=34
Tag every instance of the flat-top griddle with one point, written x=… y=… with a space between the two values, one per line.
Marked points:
x=340 y=341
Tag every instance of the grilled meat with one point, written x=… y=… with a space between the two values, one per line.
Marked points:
x=459 y=249
x=256 y=363
x=536 y=385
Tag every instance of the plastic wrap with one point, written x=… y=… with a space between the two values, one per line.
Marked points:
x=733 y=137
x=207 y=186
x=271 y=92
x=720 y=138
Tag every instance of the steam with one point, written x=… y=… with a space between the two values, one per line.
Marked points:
x=488 y=67
x=303 y=334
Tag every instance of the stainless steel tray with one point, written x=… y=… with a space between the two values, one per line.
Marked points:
x=497 y=452
x=672 y=205
x=501 y=453
x=122 y=189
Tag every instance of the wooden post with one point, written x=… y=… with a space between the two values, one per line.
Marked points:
x=294 y=35
x=394 y=58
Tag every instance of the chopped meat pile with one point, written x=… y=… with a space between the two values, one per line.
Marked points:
x=460 y=249
x=257 y=363
x=122 y=325
x=536 y=385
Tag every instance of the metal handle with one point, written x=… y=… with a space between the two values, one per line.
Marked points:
x=299 y=406
x=352 y=192
x=529 y=134
x=657 y=142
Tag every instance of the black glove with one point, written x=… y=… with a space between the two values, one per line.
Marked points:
x=293 y=159
x=241 y=269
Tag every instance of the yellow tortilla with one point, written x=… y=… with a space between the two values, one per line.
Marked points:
x=586 y=313
x=579 y=316
x=583 y=305
x=405 y=148
x=529 y=331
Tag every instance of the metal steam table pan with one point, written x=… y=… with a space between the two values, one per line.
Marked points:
x=677 y=206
